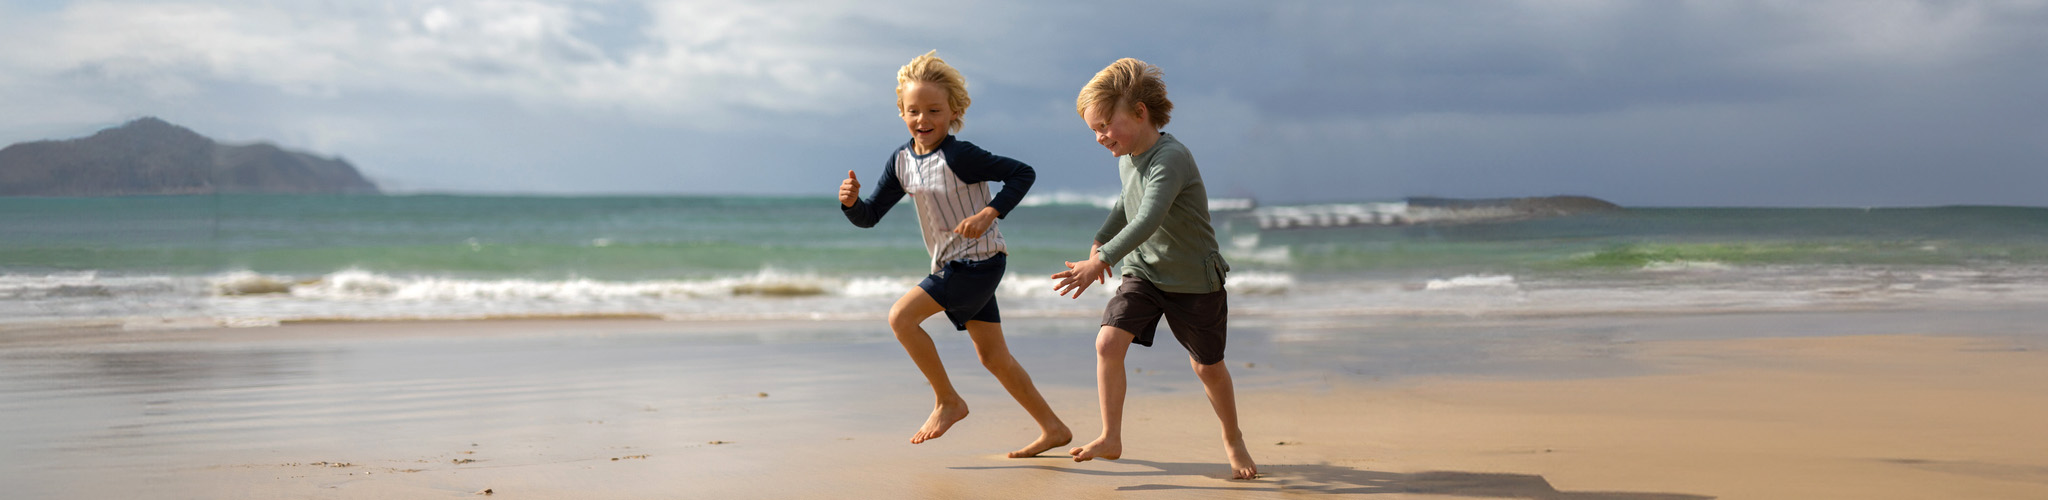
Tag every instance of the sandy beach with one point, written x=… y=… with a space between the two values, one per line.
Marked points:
x=1859 y=404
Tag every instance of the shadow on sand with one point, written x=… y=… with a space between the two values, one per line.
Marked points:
x=1336 y=480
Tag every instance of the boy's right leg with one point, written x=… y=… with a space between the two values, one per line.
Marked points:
x=904 y=317
x=1110 y=347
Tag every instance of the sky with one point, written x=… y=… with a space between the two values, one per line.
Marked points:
x=1646 y=103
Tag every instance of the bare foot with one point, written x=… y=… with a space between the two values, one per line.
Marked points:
x=1046 y=441
x=942 y=418
x=1102 y=448
x=1241 y=466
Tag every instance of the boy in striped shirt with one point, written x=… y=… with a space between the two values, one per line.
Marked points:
x=948 y=180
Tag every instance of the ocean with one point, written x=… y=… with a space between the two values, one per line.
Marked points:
x=258 y=260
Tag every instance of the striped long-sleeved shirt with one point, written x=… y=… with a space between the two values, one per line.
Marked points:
x=947 y=185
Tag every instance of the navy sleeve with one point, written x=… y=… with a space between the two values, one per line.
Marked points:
x=973 y=164
x=888 y=191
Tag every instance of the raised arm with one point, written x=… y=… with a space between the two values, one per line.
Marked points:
x=888 y=191
x=973 y=164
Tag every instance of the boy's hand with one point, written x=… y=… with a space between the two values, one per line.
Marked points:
x=1078 y=274
x=974 y=225
x=1095 y=254
x=849 y=190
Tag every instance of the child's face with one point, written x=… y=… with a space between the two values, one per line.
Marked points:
x=926 y=113
x=1119 y=130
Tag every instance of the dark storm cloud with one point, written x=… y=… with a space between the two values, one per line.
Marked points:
x=1869 y=102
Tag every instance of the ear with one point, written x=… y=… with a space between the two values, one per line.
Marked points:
x=1138 y=110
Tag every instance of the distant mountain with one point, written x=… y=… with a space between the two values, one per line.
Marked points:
x=151 y=156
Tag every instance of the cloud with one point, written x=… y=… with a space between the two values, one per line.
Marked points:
x=1378 y=58
x=693 y=60
x=1647 y=102
x=1797 y=103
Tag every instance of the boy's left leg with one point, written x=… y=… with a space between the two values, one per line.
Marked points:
x=904 y=319
x=1223 y=397
x=1201 y=321
x=994 y=352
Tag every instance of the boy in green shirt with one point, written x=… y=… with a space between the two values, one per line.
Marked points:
x=1159 y=228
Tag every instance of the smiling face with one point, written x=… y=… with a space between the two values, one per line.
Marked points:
x=927 y=114
x=1123 y=132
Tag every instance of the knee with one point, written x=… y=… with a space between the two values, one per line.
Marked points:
x=1112 y=346
x=1209 y=371
x=901 y=320
x=1107 y=346
x=995 y=361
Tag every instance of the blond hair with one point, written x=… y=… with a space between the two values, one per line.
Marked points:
x=931 y=69
x=1126 y=83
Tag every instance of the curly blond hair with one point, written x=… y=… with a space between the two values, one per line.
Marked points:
x=931 y=69
x=1125 y=83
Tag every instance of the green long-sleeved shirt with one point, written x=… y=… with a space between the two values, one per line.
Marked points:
x=1161 y=221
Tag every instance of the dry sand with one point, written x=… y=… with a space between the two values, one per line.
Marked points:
x=1925 y=405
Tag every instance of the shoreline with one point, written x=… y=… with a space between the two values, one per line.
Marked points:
x=1861 y=404
x=209 y=323
x=2007 y=320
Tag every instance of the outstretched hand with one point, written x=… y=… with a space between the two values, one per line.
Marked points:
x=1078 y=275
x=849 y=190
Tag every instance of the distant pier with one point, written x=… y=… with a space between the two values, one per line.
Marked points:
x=1424 y=211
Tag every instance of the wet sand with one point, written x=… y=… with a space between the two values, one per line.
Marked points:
x=1865 y=405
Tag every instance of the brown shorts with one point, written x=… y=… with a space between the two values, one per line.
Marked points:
x=1199 y=320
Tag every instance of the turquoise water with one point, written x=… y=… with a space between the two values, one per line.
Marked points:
x=1633 y=238
x=287 y=257
x=692 y=237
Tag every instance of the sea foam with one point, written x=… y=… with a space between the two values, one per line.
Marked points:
x=357 y=284
x=1498 y=281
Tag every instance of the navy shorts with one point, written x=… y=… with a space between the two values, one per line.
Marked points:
x=967 y=289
